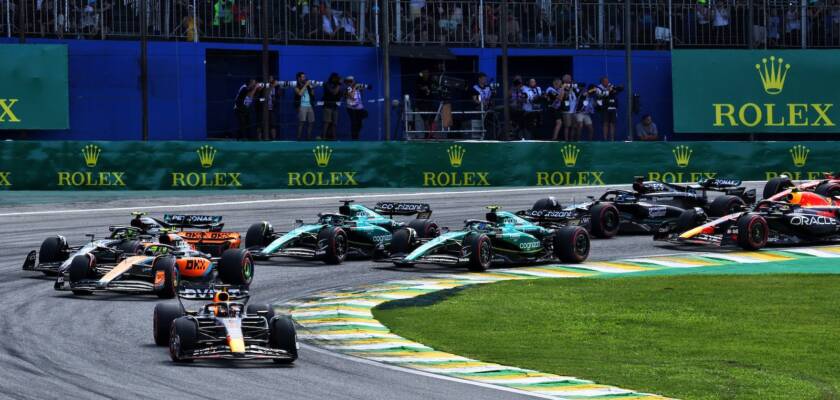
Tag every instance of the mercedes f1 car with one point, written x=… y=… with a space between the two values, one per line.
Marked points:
x=157 y=269
x=797 y=217
x=223 y=328
x=355 y=231
x=734 y=197
x=501 y=238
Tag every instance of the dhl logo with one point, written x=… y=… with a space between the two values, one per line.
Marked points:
x=193 y=267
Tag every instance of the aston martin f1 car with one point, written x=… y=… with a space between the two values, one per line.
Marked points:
x=157 y=269
x=501 y=238
x=223 y=327
x=355 y=231
x=797 y=217
x=686 y=196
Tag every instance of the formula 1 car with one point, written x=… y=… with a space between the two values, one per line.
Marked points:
x=55 y=254
x=355 y=231
x=829 y=186
x=798 y=217
x=158 y=269
x=686 y=196
x=501 y=238
x=224 y=328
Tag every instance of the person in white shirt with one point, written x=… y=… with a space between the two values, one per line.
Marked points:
x=533 y=95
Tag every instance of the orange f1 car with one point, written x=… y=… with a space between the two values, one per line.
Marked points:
x=209 y=238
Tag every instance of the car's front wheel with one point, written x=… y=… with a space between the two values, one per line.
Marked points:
x=571 y=244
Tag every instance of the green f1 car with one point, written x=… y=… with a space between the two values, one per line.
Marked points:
x=501 y=238
x=355 y=231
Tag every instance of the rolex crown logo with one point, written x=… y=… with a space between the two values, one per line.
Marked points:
x=773 y=76
x=91 y=154
x=682 y=154
x=456 y=155
x=322 y=155
x=570 y=154
x=799 y=154
x=206 y=155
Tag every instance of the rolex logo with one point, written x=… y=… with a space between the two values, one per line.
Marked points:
x=682 y=154
x=206 y=155
x=773 y=76
x=799 y=154
x=322 y=155
x=456 y=155
x=91 y=154
x=570 y=154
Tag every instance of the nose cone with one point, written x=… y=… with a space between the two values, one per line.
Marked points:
x=237 y=345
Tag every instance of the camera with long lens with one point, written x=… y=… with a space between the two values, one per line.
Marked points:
x=444 y=86
x=363 y=86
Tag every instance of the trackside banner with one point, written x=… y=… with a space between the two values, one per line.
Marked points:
x=763 y=91
x=33 y=87
x=57 y=165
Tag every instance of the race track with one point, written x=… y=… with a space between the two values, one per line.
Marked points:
x=56 y=345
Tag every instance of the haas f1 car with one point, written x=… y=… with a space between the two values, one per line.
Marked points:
x=55 y=254
x=223 y=327
x=501 y=238
x=797 y=217
x=355 y=231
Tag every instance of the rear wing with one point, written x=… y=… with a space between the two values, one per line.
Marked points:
x=390 y=208
x=719 y=183
x=187 y=291
x=548 y=215
x=212 y=222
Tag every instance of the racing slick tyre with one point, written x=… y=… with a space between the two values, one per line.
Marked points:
x=752 y=232
x=481 y=253
x=828 y=189
x=131 y=247
x=182 y=338
x=402 y=241
x=282 y=335
x=53 y=249
x=165 y=277
x=424 y=228
x=571 y=244
x=725 y=205
x=258 y=235
x=165 y=313
x=605 y=221
x=777 y=185
x=336 y=240
x=686 y=220
x=236 y=267
x=265 y=309
x=548 y=203
x=80 y=269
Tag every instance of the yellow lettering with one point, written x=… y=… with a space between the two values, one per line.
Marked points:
x=823 y=114
x=742 y=114
x=795 y=111
x=720 y=113
x=6 y=108
x=770 y=114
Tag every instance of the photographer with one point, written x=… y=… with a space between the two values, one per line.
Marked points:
x=242 y=108
x=355 y=108
x=555 y=95
x=569 y=104
x=607 y=103
x=584 y=111
x=482 y=96
x=532 y=108
x=332 y=96
x=424 y=101
x=266 y=92
x=304 y=97
x=517 y=99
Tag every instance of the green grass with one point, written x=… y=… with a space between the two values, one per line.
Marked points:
x=691 y=337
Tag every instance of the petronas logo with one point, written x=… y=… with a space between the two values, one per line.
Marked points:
x=456 y=155
x=773 y=77
x=570 y=154
x=799 y=154
x=91 y=154
x=322 y=155
x=682 y=155
x=206 y=155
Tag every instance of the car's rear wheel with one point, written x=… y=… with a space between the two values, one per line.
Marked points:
x=547 y=203
x=776 y=185
x=752 y=232
x=236 y=267
x=725 y=205
x=81 y=268
x=424 y=228
x=828 y=189
x=165 y=277
x=182 y=338
x=605 y=220
x=571 y=244
x=402 y=241
x=687 y=220
x=131 y=247
x=481 y=253
x=265 y=310
x=165 y=313
x=283 y=336
x=258 y=235
x=336 y=244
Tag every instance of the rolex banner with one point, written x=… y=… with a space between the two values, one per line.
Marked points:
x=56 y=165
x=33 y=87
x=761 y=91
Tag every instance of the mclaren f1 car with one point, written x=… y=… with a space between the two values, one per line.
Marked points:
x=355 y=231
x=223 y=327
x=501 y=238
x=795 y=217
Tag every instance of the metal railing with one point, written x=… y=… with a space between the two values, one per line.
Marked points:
x=467 y=23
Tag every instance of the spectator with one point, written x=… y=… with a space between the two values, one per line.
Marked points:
x=585 y=109
x=423 y=101
x=568 y=106
x=646 y=130
x=532 y=107
x=773 y=28
x=330 y=24
x=702 y=13
x=555 y=95
x=720 y=22
x=304 y=99
x=517 y=99
x=355 y=108
x=332 y=96
x=514 y=30
x=242 y=108
x=271 y=96
x=793 y=24
x=223 y=16
x=607 y=102
x=190 y=24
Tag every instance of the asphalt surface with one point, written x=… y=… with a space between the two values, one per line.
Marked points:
x=55 y=345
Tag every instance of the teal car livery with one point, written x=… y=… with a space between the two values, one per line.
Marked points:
x=355 y=231
x=501 y=238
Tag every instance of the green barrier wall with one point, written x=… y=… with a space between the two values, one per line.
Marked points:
x=253 y=165
x=34 y=86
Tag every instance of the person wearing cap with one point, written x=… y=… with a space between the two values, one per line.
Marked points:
x=355 y=108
